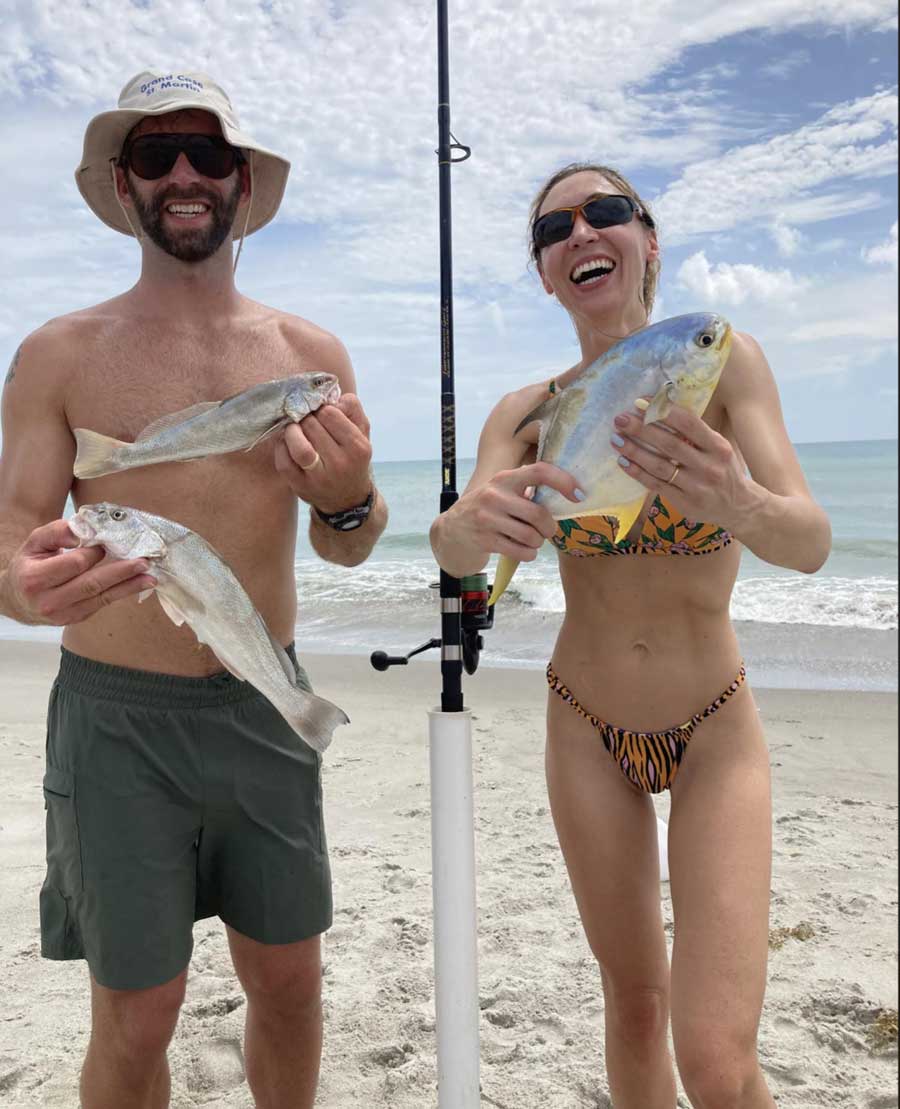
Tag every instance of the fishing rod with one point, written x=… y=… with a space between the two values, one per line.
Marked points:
x=465 y=612
x=464 y=615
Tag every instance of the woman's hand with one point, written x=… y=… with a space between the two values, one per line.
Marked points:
x=693 y=466
x=499 y=517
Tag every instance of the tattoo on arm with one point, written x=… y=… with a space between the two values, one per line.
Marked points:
x=11 y=372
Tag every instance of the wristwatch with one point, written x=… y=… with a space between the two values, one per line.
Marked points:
x=350 y=518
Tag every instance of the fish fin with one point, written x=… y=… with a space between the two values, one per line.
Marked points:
x=96 y=453
x=312 y=718
x=197 y=626
x=503 y=575
x=229 y=664
x=283 y=657
x=175 y=418
x=269 y=431
x=626 y=514
x=171 y=610
x=544 y=412
x=181 y=606
x=150 y=545
x=661 y=405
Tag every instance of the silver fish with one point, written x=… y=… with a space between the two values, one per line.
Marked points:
x=198 y=589
x=678 y=361
x=237 y=423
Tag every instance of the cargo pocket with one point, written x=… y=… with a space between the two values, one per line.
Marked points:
x=64 y=870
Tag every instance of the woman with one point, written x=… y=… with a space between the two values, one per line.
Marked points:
x=646 y=643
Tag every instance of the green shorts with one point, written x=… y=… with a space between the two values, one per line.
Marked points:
x=168 y=800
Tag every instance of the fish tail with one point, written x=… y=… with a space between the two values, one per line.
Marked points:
x=503 y=575
x=314 y=719
x=625 y=515
x=96 y=453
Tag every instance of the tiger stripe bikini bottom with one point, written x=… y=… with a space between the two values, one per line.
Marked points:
x=649 y=760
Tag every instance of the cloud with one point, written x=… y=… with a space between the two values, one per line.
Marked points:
x=787 y=65
x=885 y=254
x=787 y=239
x=881 y=325
x=347 y=91
x=853 y=140
x=734 y=284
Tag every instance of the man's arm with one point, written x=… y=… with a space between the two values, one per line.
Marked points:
x=326 y=459
x=41 y=582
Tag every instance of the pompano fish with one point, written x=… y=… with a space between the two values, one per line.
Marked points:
x=212 y=427
x=198 y=589
x=677 y=361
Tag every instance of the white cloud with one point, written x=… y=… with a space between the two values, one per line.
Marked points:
x=733 y=284
x=784 y=67
x=347 y=91
x=829 y=246
x=854 y=140
x=881 y=325
x=885 y=254
x=787 y=239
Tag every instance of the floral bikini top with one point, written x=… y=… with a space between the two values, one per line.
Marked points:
x=665 y=531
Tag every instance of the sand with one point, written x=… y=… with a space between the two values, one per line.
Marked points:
x=832 y=970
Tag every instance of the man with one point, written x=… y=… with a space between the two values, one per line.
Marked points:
x=175 y=792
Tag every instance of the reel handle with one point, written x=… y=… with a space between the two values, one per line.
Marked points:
x=381 y=660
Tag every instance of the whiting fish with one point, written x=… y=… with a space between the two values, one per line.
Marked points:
x=197 y=588
x=212 y=427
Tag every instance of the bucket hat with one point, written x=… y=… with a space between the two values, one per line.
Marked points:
x=153 y=93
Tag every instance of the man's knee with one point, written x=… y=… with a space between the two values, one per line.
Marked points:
x=137 y=1024
x=284 y=982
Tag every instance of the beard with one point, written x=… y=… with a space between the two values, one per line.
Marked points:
x=187 y=244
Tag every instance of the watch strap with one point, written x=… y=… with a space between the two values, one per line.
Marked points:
x=349 y=518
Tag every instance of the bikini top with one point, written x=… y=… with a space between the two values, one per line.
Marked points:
x=665 y=531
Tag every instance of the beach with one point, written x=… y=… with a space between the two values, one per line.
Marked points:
x=826 y=1033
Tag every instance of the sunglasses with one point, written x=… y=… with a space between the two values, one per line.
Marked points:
x=598 y=211
x=153 y=156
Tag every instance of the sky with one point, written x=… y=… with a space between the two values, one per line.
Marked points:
x=763 y=134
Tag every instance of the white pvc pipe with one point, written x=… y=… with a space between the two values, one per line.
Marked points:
x=455 y=922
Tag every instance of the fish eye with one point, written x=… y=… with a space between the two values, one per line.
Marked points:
x=705 y=339
x=118 y=515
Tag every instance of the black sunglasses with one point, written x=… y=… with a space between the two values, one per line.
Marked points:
x=598 y=211
x=153 y=156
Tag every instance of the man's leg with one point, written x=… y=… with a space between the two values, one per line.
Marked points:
x=126 y=1066
x=283 y=1039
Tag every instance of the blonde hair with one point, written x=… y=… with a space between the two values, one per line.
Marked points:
x=651 y=273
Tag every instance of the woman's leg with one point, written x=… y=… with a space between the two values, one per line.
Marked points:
x=720 y=868
x=607 y=831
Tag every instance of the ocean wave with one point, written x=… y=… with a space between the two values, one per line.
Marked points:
x=830 y=602
x=865 y=548
x=383 y=590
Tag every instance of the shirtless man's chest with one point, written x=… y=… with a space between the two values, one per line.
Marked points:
x=128 y=373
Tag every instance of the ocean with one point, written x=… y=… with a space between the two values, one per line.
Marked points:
x=832 y=630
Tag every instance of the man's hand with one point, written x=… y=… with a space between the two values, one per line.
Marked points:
x=46 y=582
x=326 y=457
